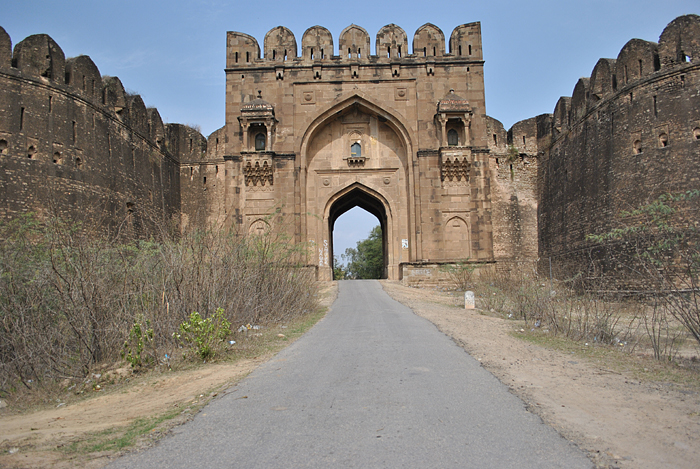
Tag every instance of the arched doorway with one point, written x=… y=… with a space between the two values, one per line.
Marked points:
x=358 y=197
x=356 y=154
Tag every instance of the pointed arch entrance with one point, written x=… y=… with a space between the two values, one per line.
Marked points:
x=356 y=154
x=359 y=196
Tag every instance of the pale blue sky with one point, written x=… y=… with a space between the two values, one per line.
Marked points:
x=173 y=52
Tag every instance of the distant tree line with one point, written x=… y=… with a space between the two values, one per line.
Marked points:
x=366 y=261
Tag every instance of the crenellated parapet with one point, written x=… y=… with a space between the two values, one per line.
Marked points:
x=317 y=46
x=72 y=138
x=639 y=64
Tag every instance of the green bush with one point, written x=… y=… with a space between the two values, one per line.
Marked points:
x=140 y=338
x=204 y=335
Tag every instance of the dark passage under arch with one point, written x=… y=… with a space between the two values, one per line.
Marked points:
x=360 y=198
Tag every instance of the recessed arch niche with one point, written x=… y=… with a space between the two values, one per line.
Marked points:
x=357 y=145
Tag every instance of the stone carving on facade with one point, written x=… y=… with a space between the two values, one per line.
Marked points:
x=258 y=175
x=454 y=170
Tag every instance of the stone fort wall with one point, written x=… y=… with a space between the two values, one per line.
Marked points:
x=74 y=143
x=513 y=163
x=71 y=138
x=627 y=134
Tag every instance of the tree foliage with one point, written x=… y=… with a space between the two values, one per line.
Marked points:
x=367 y=260
x=339 y=271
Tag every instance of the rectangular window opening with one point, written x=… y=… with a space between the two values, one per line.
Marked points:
x=656 y=111
x=21 y=119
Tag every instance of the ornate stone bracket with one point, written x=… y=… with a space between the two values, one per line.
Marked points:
x=455 y=167
x=356 y=162
x=257 y=170
x=455 y=171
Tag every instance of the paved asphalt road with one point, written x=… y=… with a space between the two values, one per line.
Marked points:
x=371 y=385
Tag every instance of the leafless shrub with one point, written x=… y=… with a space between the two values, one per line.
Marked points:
x=664 y=338
x=69 y=295
x=460 y=274
x=558 y=307
x=490 y=289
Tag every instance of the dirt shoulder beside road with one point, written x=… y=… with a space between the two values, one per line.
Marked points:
x=618 y=419
x=44 y=438
x=132 y=413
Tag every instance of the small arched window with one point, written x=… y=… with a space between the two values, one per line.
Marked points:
x=260 y=141
x=452 y=138
x=637 y=147
x=356 y=150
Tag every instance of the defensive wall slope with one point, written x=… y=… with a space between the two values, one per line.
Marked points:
x=74 y=143
x=628 y=133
